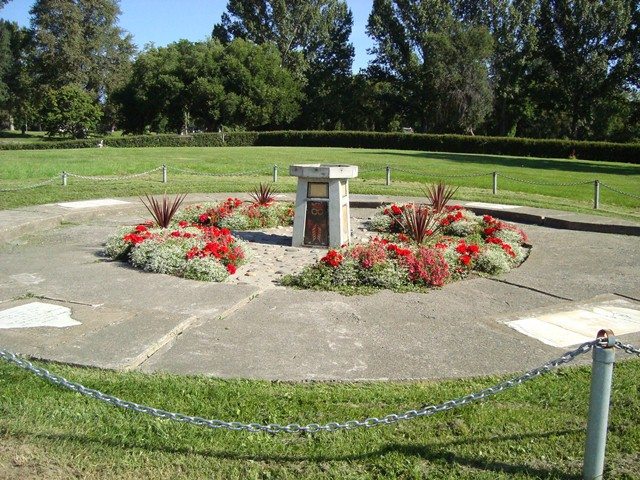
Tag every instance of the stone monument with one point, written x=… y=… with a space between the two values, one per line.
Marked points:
x=322 y=205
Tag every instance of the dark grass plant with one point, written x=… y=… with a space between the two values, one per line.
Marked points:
x=162 y=212
x=438 y=195
x=263 y=194
x=418 y=222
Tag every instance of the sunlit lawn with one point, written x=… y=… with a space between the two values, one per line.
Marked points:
x=241 y=168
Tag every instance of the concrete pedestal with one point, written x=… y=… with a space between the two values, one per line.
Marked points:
x=322 y=205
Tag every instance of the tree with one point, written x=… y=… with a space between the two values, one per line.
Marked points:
x=16 y=92
x=312 y=37
x=437 y=63
x=79 y=42
x=586 y=52
x=206 y=85
x=70 y=111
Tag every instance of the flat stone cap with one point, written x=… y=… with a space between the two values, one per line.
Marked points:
x=323 y=170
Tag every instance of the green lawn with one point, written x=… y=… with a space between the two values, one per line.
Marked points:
x=410 y=171
x=534 y=431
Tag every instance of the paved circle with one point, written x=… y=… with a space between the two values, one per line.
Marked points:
x=251 y=327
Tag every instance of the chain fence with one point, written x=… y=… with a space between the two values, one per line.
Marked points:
x=391 y=418
x=548 y=184
x=187 y=171
x=387 y=171
x=608 y=187
x=28 y=187
x=113 y=178
x=462 y=175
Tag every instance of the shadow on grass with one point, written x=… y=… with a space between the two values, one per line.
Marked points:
x=507 y=161
x=436 y=452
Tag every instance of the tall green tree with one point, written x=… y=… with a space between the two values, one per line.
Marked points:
x=206 y=85
x=16 y=92
x=312 y=37
x=437 y=62
x=586 y=52
x=79 y=42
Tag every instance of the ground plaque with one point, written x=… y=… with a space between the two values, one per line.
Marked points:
x=37 y=314
x=322 y=204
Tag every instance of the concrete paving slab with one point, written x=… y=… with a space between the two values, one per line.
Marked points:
x=580 y=323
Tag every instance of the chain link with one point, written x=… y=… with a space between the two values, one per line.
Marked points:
x=41 y=184
x=548 y=184
x=107 y=179
x=619 y=191
x=294 y=427
x=630 y=349
x=464 y=175
x=204 y=174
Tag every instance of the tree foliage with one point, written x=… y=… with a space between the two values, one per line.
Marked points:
x=207 y=85
x=436 y=61
x=70 y=111
x=312 y=37
x=79 y=42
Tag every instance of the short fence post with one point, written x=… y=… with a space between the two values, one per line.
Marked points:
x=275 y=173
x=64 y=179
x=388 y=181
x=596 y=194
x=495 y=183
x=601 y=375
x=164 y=173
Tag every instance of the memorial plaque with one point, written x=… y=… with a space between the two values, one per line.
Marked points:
x=318 y=190
x=316 y=227
x=37 y=314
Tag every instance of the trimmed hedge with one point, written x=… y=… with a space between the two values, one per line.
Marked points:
x=524 y=147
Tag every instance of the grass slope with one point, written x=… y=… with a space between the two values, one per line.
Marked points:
x=241 y=168
x=534 y=431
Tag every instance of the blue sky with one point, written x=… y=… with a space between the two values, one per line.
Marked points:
x=166 y=21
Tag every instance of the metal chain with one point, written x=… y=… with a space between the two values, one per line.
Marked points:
x=548 y=184
x=294 y=427
x=41 y=184
x=630 y=349
x=465 y=175
x=204 y=174
x=619 y=191
x=106 y=179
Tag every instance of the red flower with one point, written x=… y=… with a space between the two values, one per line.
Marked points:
x=396 y=210
x=473 y=249
x=333 y=258
x=204 y=218
x=183 y=224
x=465 y=259
x=141 y=228
x=231 y=268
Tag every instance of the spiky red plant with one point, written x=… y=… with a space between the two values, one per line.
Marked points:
x=438 y=195
x=263 y=194
x=419 y=222
x=163 y=212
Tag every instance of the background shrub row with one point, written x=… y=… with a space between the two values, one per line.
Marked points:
x=527 y=147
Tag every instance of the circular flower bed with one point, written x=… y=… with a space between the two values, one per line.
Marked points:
x=198 y=243
x=418 y=248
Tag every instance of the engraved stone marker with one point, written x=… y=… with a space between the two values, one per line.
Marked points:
x=571 y=327
x=105 y=202
x=322 y=204
x=37 y=314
